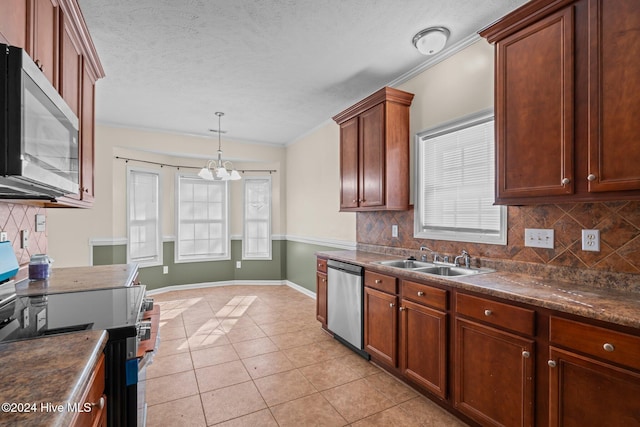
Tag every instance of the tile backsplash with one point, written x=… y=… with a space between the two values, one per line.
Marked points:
x=17 y=217
x=618 y=222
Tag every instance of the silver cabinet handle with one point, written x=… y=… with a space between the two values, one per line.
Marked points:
x=420 y=293
x=99 y=403
x=591 y=177
x=488 y=312
x=551 y=363
x=378 y=281
x=354 y=200
x=565 y=181
x=526 y=354
x=401 y=308
x=608 y=347
x=391 y=304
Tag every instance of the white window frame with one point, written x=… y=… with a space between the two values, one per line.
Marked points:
x=494 y=237
x=226 y=240
x=157 y=259
x=245 y=254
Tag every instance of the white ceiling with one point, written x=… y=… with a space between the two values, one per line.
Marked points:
x=276 y=68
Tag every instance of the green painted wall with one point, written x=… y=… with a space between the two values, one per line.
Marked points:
x=301 y=263
x=200 y=272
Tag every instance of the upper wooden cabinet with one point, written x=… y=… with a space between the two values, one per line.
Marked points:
x=374 y=152
x=565 y=97
x=56 y=37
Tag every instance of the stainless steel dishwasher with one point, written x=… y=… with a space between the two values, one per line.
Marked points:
x=345 y=314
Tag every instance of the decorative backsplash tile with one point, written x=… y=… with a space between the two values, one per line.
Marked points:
x=618 y=222
x=13 y=219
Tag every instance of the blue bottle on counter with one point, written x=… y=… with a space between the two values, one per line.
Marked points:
x=39 y=267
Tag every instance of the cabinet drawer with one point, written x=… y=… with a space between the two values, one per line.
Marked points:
x=424 y=294
x=322 y=265
x=503 y=315
x=604 y=343
x=381 y=282
x=94 y=395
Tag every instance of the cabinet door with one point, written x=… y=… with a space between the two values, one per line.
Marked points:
x=494 y=375
x=534 y=109
x=423 y=344
x=70 y=66
x=87 y=136
x=321 y=298
x=13 y=22
x=586 y=392
x=44 y=33
x=372 y=157
x=349 y=164
x=614 y=73
x=380 y=326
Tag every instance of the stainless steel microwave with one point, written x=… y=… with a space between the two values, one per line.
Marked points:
x=38 y=132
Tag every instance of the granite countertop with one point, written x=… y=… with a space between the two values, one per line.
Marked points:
x=74 y=279
x=621 y=307
x=31 y=373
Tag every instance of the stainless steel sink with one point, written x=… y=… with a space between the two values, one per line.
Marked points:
x=433 y=269
x=405 y=263
x=444 y=270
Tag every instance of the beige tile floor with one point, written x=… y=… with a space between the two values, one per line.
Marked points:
x=256 y=356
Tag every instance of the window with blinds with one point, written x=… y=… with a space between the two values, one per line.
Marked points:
x=202 y=219
x=455 y=188
x=144 y=238
x=256 y=239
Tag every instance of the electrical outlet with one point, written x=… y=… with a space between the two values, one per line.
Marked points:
x=591 y=240
x=538 y=238
x=24 y=239
x=394 y=230
x=238 y=264
x=4 y=236
x=165 y=269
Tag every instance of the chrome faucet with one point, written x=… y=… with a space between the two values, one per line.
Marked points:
x=423 y=258
x=464 y=256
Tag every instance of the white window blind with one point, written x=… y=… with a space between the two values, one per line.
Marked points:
x=143 y=217
x=256 y=239
x=456 y=183
x=202 y=219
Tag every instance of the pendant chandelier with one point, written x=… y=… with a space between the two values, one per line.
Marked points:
x=219 y=170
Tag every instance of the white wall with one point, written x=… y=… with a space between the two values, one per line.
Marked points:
x=70 y=230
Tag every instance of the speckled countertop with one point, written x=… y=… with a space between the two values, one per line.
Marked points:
x=52 y=370
x=73 y=279
x=608 y=304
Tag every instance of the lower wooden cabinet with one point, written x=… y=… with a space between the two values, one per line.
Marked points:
x=380 y=326
x=494 y=382
x=423 y=346
x=321 y=298
x=92 y=410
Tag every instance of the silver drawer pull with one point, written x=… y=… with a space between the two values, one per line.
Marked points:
x=591 y=177
x=378 y=281
x=551 y=363
x=391 y=304
x=608 y=347
x=401 y=308
x=99 y=404
x=420 y=293
x=526 y=354
x=488 y=312
x=565 y=181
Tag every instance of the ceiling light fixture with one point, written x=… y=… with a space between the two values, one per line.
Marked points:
x=431 y=40
x=219 y=169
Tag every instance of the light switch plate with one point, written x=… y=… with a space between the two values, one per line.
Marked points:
x=538 y=238
x=591 y=240
x=41 y=223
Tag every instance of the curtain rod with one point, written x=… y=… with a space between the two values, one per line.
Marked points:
x=188 y=167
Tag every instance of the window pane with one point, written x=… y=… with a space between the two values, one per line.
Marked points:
x=144 y=244
x=257 y=218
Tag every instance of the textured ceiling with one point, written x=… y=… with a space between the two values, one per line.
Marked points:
x=276 y=68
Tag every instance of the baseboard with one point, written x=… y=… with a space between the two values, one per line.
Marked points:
x=292 y=285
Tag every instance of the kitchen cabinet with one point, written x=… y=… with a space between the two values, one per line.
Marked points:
x=593 y=375
x=565 y=101
x=13 y=22
x=381 y=318
x=494 y=365
x=374 y=152
x=321 y=292
x=55 y=35
x=93 y=399
x=423 y=336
